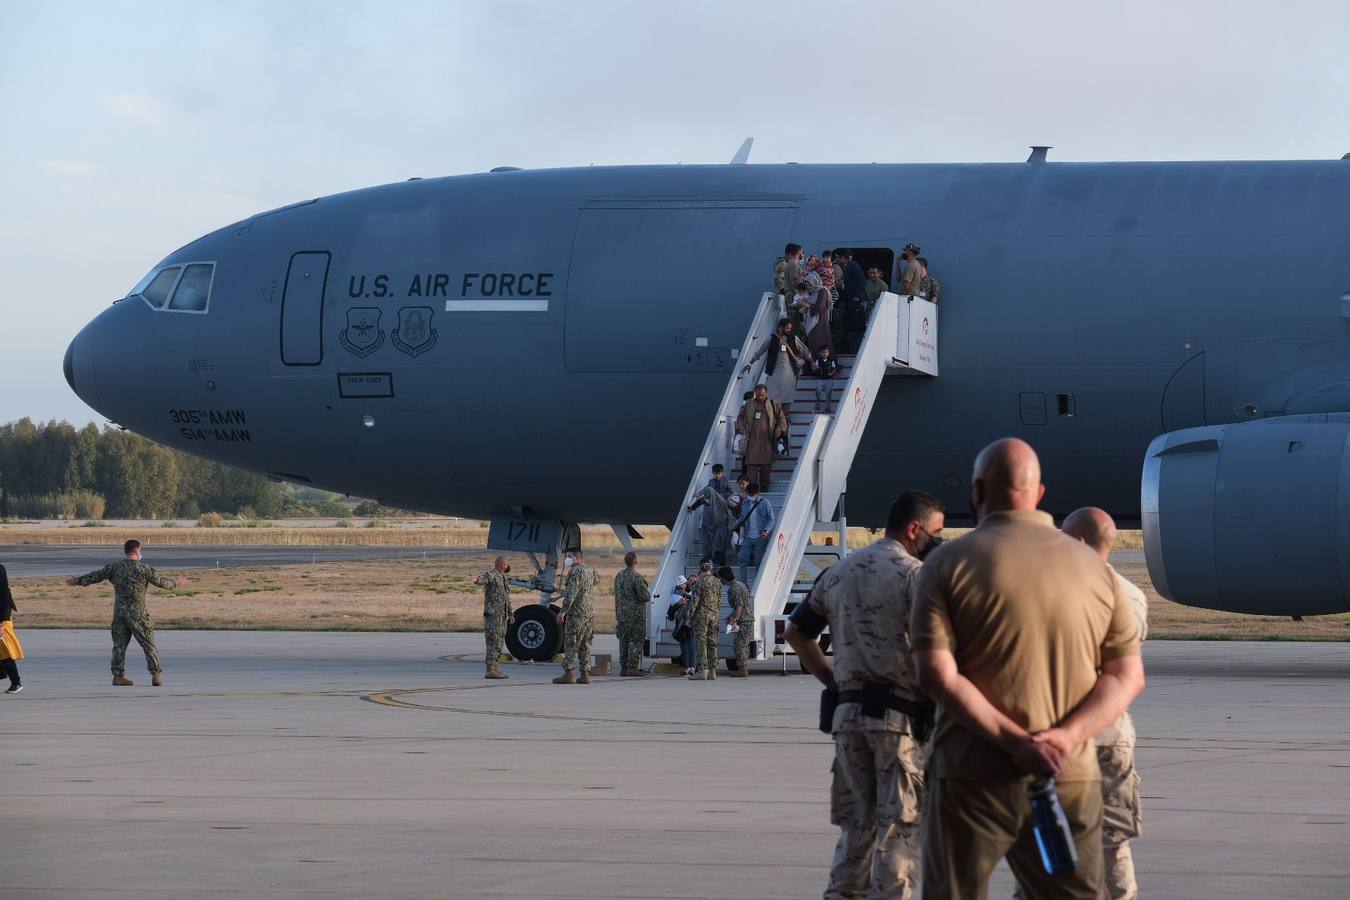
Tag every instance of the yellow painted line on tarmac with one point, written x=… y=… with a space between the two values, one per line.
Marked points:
x=392 y=698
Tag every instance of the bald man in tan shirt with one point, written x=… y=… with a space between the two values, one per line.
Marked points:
x=1022 y=636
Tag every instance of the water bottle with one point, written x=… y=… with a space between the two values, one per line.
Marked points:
x=1054 y=837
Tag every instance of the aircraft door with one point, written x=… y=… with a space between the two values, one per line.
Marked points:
x=302 y=309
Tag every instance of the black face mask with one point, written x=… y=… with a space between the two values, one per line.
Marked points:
x=933 y=544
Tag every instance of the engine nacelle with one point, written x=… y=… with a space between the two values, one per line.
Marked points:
x=1252 y=517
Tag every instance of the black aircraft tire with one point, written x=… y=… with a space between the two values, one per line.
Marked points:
x=535 y=635
x=732 y=665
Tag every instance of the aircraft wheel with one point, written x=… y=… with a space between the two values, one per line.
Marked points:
x=535 y=635
x=732 y=665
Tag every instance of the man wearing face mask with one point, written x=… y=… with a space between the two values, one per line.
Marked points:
x=496 y=613
x=577 y=619
x=880 y=719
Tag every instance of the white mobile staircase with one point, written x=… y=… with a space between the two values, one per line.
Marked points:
x=808 y=484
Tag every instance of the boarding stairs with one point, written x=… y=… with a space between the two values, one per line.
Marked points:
x=807 y=485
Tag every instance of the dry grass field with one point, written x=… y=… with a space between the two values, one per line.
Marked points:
x=457 y=534
x=434 y=595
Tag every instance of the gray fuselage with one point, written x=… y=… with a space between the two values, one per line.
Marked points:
x=1151 y=296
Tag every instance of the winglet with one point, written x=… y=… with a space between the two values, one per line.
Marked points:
x=743 y=155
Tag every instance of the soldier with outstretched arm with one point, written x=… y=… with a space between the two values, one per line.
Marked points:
x=131 y=617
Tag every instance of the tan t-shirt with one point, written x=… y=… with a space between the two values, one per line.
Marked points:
x=1030 y=615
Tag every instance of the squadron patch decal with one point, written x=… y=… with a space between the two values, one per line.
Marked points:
x=414 y=334
x=362 y=336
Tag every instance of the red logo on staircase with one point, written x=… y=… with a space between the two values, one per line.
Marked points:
x=859 y=409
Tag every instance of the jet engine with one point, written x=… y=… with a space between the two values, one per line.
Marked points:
x=1251 y=517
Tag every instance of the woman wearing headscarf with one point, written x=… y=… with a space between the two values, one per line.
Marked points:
x=10 y=649
x=817 y=322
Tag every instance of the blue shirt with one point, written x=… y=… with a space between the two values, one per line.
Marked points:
x=760 y=519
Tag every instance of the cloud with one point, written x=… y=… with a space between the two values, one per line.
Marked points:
x=66 y=171
x=141 y=109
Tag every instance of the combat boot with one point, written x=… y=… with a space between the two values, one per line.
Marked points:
x=712 y=675
x=494 y=672
x=156 y=680
x=638 y=673
x=742 y=672
x=565 y=678
x=122 y=681
x=585 y=677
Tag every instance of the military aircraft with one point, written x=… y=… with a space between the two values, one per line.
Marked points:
x=532 y=346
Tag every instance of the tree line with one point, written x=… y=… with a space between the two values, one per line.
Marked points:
x=55 y=470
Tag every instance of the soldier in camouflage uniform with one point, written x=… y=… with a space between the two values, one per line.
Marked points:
x=742 y=616
x=131 y=618
x=496 y=613
x=878 y=763
x=929 y=287
x=578 y=620
x=703 y=618
x=631 y=599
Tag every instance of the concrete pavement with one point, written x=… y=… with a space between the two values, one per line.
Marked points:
x=346 y=765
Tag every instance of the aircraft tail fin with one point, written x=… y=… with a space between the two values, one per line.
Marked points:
x=743 y=155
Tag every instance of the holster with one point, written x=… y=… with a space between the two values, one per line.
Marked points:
x=876 y=697
x=829 y=701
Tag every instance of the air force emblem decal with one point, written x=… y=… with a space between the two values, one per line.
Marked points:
x=362 y=335
x=414 y=334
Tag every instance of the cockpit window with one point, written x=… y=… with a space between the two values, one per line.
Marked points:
x=194 y=289
x=180 y=288
x=157 y=291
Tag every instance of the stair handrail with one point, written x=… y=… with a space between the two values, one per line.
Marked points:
x=793 y=525
x=855 y=405
x=717 y=448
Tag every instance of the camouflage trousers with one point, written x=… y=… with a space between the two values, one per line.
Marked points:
x=705 y=642
x=125 y=626
x=743 y=638
x=875 y=801
x=1121 y=818
x=631 y=635
x=494 y=635
x=578 y=632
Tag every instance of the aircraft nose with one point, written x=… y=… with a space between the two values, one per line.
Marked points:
x=78 y=366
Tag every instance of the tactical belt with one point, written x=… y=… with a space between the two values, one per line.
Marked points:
x=876 y=698
x=912 y=708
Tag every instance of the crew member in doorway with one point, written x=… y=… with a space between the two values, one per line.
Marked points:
x=742 y=617
x=763 y=422
x=131 y=618
x=929 y=287
x=497 y=613
x=632 y=598
x=881 y=720
x=875 y=287
x=577 y=619
x=910 y=276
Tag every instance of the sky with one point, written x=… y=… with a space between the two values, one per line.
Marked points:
x=129 y=128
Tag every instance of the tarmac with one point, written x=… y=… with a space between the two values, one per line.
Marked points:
x=383 y=765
